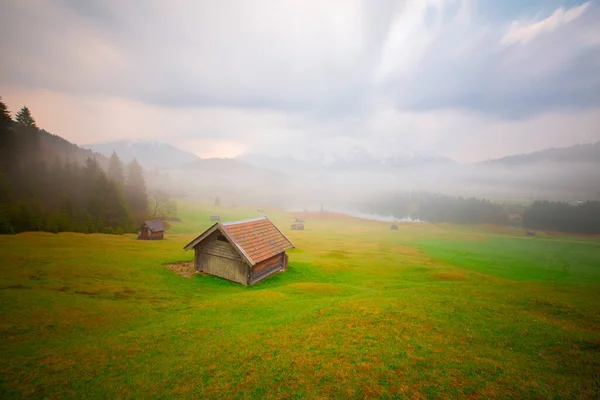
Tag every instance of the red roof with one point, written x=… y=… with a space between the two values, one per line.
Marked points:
x=258 y=238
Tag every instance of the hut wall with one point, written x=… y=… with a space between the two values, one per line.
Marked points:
x=219 y=258
x=144 y=233
x=267 y=267
x=156 y=235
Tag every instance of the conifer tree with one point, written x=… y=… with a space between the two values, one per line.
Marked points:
x=135 y=190
x=27 y=142
x=116 y=171
x=5 y=118
x=6 y=137
x=24 y=118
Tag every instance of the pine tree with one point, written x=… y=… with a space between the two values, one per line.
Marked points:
x=135 y=190
x=24 y=118
x=92 y=192
x=27 y=142
x=5 y=118
x=116 y=171
x=6 y=138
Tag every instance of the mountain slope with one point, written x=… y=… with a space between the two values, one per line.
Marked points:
x=55 y=146
x=580 y=153
x=149 y=154
x=356 y=160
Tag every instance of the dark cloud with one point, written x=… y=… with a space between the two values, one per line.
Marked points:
x=320 y=60
x=471 y=69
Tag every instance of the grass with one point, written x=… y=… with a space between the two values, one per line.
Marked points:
x=423 y=312
x=522 y=259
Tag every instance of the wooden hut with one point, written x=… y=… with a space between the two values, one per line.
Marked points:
x=394 y=227
x=241 y=251
x=215 y=218
x=152 y=230
x=298 y=227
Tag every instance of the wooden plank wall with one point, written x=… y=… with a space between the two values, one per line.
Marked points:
x=266 y=268
x=225 y=268
x=219 y=258
x=222 y=249
x=143 y=233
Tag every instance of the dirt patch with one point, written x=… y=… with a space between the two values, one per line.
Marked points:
x=185 y=269
x=450 y=276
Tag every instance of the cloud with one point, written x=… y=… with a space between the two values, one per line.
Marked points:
x=305 y=77
x=462 y=65
x=228 y=132
x=524 y=32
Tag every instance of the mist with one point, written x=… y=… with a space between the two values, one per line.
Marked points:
x=293 y=184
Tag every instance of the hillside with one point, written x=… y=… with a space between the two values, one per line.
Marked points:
x=428 y=311
x=55 y=146
x=149 y=154
x=357 y=160
x=49 y=184
x=580 y=153
x=566 y=174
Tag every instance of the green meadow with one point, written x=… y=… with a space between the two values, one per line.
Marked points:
x=428 y=311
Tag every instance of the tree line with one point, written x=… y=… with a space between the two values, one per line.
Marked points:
x=437 y=208
x=43 y=190
x=563 y=217
x=583 y=217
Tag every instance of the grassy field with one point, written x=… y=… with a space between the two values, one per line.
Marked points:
x=427 y=311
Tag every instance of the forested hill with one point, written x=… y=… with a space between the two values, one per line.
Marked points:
x=581 y=153
x=150 y=155
x=54 y=145
x=50 y=184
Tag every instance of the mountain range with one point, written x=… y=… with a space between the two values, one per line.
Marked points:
x=150 y=155
x=557 y=173
x=163 y=155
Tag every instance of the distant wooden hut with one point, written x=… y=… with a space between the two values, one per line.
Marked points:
x=394 y=227
x=151 y=230
x=298 y=227
x=241 y=251
x=260 y=210
x=215 y=218
x=531 y=233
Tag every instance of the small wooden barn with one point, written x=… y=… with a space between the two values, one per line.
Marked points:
x=152 y=230
x=215 y=217
x=241 y=251
x=298 y=227
x=394 y=227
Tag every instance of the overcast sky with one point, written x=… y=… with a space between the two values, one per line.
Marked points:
x=465 y=79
